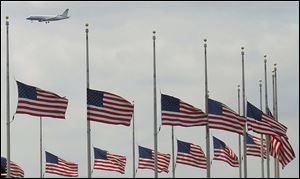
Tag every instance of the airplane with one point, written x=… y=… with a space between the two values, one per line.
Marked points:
x=47 y=19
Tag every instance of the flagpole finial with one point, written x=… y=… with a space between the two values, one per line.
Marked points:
x=205 y=44
x=154 y=37
x=7 y=22
x=265 y=56
x=260 y=83
x=242 y=50
x=86 y=27
x=239 y=87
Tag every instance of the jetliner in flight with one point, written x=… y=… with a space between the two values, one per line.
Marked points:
x=47 y=19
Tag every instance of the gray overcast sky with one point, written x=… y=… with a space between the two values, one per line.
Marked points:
x=52 y=57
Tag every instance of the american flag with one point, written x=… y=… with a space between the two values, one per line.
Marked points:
x=178 y=113
x=224 y=153
x=190 y=154
x=222 y=117
x=146 y=160
x=275 y=145
x=287 y=153
x=262 y=123
x=58 y=166
x=15 y=170
x=109 y=162
x=282 y=149
x=37 y=102
x=276 y=125
x=253 y=146
x=108 y=108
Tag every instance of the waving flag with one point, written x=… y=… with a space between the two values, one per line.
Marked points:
x=224 y=153
x=222 y=117
x=109 y=162
x=257 y=121
x=37 y=102
x=178 y=113
x=146 y=160
x=277 y=126
x=190 y=154
x=253 y=145
x=108 y=108
x=58 y=166
x=15 y=170
x=275 y=145
x=282 y=149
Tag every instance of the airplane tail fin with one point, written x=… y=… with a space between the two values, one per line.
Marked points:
x=65 y=14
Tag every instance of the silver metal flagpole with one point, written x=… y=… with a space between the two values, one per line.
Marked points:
x=88 y=86
x=206 y=111
x=41 y=148
x=240 y=145
x=266 y=101
x=155 y=107
x=173 y=156
x=7 y=99
x=261 y=136
x=276 y=109
x=244 y=114
x=274 y=115
x=133 y=143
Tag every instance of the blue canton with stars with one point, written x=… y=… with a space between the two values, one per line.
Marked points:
x=95 y=98
x=26 y=91
x=170 y=103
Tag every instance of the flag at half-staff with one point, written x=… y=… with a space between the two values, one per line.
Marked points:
x=109 y=162
x=15 y=170
x=190 y=154
x=224 y=153
x=37 y=102
x=281 y=148
x=178 y=113
x=275 y=145
x=146 y=160
x=262 y=123
x=253 y=145
x=108 y=108
x=59 y=166
x=222 y=117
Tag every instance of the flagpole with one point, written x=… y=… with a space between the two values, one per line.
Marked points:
x=266 y=101
x=88 y=86
x=7 y=99
x=155 y=107
x=244 y=114
x=41 y=148
x=276 y=109
x=173 y=157
x=274 y=112
x=133 y=143
x=240 y=145
x=261 y=136
x=206 y=111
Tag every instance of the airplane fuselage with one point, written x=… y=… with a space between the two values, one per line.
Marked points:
x=46 y=18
